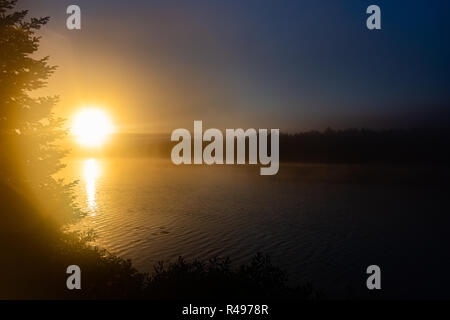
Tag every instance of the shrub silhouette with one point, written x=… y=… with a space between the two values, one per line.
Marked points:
x=217 y=279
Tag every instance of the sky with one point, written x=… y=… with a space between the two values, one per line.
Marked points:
x=294 y=65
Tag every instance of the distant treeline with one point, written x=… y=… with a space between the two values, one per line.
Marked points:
x=328 y=146
x=367 y=146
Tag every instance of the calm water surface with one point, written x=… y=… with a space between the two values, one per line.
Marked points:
x=319 y=230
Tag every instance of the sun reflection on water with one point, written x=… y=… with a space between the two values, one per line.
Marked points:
x=91 y=172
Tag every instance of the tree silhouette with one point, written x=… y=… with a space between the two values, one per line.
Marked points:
x=29 y=130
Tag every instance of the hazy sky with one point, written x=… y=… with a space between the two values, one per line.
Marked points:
x=294 y=65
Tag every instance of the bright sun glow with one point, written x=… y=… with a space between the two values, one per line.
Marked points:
x=91 y=126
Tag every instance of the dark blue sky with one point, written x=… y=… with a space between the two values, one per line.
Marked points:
x=289 y=64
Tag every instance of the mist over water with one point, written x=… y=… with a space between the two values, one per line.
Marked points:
x=313 y=220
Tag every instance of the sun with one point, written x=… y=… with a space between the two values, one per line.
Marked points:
x=91 y=127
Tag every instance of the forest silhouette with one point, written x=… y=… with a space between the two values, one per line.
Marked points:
x=350 y=146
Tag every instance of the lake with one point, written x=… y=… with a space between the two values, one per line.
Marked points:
x=323 y=224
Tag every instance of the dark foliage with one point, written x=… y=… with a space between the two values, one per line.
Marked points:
x=216 y=279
